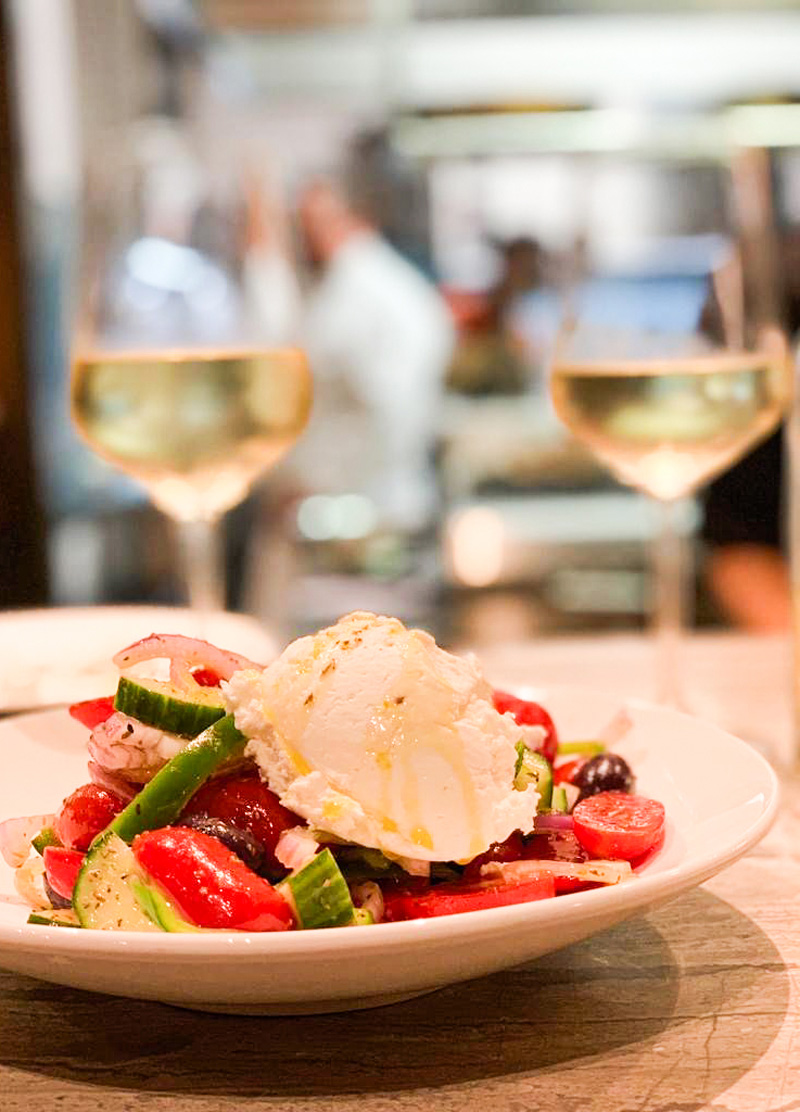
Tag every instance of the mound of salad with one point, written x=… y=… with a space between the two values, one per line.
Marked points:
x=365 y=776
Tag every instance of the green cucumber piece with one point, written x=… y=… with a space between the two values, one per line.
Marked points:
x=363 y=918
x=581 y=748
x=157 y=704
x=54 y=918
x=558 y=801
x=318 y=894
x=532 y=767
x=104 y=898
x=161 y=801
x=46 y=837
x=160 y=908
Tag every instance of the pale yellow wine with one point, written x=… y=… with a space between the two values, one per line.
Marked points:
x=666 y=427
x=196 y=427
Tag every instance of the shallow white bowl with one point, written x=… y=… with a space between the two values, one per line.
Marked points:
x=720 y=796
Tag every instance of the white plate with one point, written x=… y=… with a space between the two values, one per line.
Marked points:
x=720 y=796
x=63 y=655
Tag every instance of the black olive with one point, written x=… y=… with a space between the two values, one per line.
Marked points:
x=606 y=772
x=243 y=844
x=58 y=902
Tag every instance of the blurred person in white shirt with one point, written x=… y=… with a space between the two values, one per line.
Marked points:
x=379 y=338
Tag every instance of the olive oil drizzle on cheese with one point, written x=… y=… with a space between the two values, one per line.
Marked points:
x=399 y=731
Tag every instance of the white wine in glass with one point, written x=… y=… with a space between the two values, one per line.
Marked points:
x=196 y=428
x=668 y=426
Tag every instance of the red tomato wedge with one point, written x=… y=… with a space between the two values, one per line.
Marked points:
x=248 y=804
x=618 y=826
x=527 y=713
x=92 y=712
x=62 y=866
x=85 y=813
x=210 y=884
x=452 y=899
x=205 y=677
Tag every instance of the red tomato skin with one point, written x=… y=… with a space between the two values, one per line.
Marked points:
x=62 y=866
x=93 y=712
x=247 y=803
x=84 y=814
x=565 y=772
x=205 y=677
x=209 y=883
x=527 y=713
x=618 y=826
x=453 y=899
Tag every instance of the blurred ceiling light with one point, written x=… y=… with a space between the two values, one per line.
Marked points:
x=477 y=546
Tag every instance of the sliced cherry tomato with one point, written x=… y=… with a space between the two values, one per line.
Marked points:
x=452 y=899
x=246 y=802
x=92 y=712
x=84 y=814
x=62 y=866
x=205 y=677
x=527 y=713
x=615 y=825
x=210 y=884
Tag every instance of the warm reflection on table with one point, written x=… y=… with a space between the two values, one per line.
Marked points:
x=693 y=1006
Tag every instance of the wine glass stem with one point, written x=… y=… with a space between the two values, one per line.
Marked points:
x=203 y=566
x=670 y=567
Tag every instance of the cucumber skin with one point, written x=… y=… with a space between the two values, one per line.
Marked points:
x=173 y=715
x=320 y=894
x=161 y=801
x=46 y=837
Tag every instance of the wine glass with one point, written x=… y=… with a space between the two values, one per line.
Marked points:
x=174 y=381
x=670 y=363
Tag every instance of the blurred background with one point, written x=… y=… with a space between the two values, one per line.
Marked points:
x=393 y=185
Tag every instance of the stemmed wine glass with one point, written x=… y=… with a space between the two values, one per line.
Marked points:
x=670 y=363
x=173 y=381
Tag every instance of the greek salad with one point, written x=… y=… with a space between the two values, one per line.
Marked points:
x=182 y=827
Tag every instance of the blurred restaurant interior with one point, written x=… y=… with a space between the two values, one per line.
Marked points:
x=234 y=145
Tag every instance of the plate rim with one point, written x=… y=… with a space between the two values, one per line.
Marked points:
x=643 y=892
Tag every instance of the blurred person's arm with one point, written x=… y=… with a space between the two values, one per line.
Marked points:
x=750 y=583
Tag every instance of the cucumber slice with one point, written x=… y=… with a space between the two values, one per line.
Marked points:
x=160 y=705
x=318 y=894
x=54 y=918
x=46 y=837
x=161 y=801
x=160 y=908
x=558 y=802
x=532 y=767
x=105 y=898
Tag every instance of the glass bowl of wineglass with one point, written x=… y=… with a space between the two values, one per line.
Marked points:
x=175 y=380
x=671 y=363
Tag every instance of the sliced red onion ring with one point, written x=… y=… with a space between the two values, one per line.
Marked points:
x=115 y=784
x=296 y=847
x=590 y=872
x=16 y=834
x=184 y=655
x=546 y=823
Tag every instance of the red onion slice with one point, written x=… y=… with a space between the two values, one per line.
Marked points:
x=543 y=824
x=184 y=655
x=589 y=872
x=115 y=784
x=16 y=834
